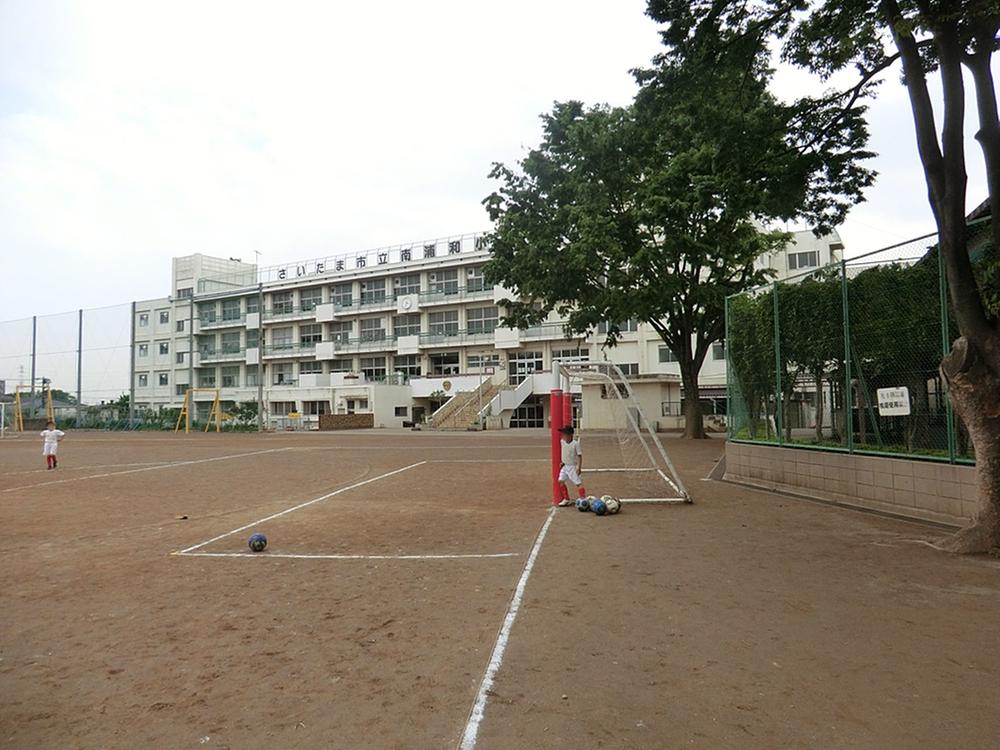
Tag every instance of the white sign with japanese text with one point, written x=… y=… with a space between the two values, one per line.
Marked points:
x=894 y=402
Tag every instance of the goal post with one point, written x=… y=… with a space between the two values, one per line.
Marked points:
x=184 y=415
x=622 y=452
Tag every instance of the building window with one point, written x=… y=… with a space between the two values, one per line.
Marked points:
x=283 y=374
x=311 y=368
x=164 y=347
x=372 y=330
x=629 y=369
x=282 y=303
x=340 y=295
x=143 y=380
x=282 y=408
x=478 y=361
x=180 y=389
x=180 y=326
x=252 y=304
x=401 y=411
x=143 y=320
x=206 y=312
x=474 y=281
x=629 y=326
x=230 y=377
x=341 y=365
x=373 y=367
x=409 y=284
x=230 y=309
x=309 y=298
x=315 y=408
x=164 y=317
x=444 y=282
x=180 y=357
x=667 y=355
x=231 y=342
x=443 y=323
x=406 y=325
x=570 y=353
x=164 y=378
x=253 y=338
x=482 y=319
x=185 y=293
x=528 y=415
x=444 y=363
x=251 y=375
x=206 y=378
x=408 y=364
x=310 y=335
x=522 y=364
x=357 y=406
x=143 y=350
x=373 y=292
x=281 y=339
x=809 y=259
x=718 y=351
x=340 y=333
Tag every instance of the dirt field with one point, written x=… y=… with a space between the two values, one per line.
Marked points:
x=747 y=620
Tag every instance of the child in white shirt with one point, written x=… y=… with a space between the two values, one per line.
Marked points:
x=571 y=469
x=51 y=437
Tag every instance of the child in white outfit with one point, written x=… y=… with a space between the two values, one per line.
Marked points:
x=572 y=466
x=50 y=444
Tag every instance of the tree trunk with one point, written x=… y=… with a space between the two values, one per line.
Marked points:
x=819 y=407
x=975 y=392
x=694 y=426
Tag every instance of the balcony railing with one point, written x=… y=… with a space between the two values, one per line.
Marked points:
x=456 y=293
x=214 y=321
x=290 y=349
x=457 y=336
x=290 y=311
x=225 y=353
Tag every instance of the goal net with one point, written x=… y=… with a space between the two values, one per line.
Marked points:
x=622 y=453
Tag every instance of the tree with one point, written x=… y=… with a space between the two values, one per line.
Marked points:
x=926 y=38
x=653 y=211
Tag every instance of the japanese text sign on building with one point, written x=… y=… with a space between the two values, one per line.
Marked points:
x=893 y=402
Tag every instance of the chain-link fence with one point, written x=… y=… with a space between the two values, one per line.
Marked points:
x=845 y=357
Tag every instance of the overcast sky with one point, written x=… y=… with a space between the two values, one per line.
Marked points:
x=132 y=132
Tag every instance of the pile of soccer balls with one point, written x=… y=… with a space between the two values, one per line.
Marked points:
x=605 y=505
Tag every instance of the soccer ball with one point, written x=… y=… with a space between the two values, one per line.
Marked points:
x=599 y=507
x=257 y=542
x=583 y=504
x=613 y=504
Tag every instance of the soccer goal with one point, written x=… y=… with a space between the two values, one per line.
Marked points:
x=622 y=453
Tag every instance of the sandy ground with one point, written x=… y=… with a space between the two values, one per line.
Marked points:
x=746 y=620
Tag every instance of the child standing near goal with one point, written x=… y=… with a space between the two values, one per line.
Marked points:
x=50 y=443
x=571 y=469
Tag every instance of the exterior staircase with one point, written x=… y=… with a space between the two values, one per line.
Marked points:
x=462 y=411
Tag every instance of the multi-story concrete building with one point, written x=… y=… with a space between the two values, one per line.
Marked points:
x=397 y=333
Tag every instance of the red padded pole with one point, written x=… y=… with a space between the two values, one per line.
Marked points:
x=555 y=422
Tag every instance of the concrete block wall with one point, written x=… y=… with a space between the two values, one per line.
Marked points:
x=922 y=490
x=346 y=421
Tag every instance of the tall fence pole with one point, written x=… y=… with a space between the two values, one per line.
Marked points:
x=729 y=381
x=260 y=357
x=848 y=395
x=79 y=366
x=779 y=407
x=34 y=341
x=131 y=370
x=945 y=349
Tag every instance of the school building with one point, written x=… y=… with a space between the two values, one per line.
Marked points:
x=403 y=334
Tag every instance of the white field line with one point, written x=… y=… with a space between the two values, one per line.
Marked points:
x=652 y=500
x=496 y=658
x=622 y=470
x=300 y=506
x=92 y=466
x=264 y=555
x=487 y=460
x=147 y=468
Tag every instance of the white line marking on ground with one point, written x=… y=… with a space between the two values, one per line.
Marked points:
x=487 y=460
x=92 y=466
x=652 y=500
x=263 y=555
x=479 y=707
x=301 y=505
x=625 y=470
x=147 y=468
